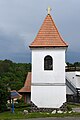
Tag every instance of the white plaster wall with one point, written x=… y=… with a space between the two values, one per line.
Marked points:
x=71 y=77
x=48 y=96
x=78 y=81
x=75 y=80
x=57 y=75
x=44 y=89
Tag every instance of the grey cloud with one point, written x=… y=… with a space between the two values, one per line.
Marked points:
x=20 y=20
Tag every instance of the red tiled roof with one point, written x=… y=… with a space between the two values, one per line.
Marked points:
x=27 y=85
x=48 y=35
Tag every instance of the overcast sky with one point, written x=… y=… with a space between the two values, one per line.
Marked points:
x=20 y=21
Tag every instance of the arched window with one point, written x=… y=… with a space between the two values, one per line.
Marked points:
x=48 y=63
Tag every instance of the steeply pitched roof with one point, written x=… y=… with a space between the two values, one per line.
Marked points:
x=27 y=85
x=48 y=35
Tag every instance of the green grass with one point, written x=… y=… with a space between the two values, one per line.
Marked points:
x=74 y=105
x=20 y=115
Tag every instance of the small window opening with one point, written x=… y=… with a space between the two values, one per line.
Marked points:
x=48 y=63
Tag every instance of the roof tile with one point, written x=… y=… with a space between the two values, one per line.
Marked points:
x=48 y=35
x=27 y=85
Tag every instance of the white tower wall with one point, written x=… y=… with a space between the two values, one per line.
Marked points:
x=48 y=88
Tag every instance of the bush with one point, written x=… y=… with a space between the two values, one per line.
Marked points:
x=69 y=108
x=3 y=97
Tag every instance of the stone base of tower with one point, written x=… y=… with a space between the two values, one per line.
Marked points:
x=48 y=96
x=34 y=108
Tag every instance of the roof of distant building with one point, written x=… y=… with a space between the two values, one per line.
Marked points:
x=27 y=85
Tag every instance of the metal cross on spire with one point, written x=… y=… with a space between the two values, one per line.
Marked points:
x=49 y=9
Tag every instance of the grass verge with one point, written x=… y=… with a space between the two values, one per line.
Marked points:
x=20 y=115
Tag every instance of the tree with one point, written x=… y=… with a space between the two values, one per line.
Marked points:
x=3 y=97
x=13 y=75
x=77 y=64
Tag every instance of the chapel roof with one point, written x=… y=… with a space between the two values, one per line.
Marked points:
x=27 y=85
x=48 y=35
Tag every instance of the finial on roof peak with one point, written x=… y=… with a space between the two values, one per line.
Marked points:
x=49 y=9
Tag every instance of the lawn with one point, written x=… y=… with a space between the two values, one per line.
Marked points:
x=19 y=115
x=73 y=105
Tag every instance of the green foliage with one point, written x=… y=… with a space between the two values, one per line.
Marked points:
x=3 y=97
x=13 y=74
x=12 y=77
x=69 y=108
x=75 y=64
x=73 y=67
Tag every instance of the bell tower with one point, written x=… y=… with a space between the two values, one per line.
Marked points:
x=48 y=89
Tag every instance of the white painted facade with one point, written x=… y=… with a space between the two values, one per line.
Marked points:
x=74 y=78
x=48 y=89
x=48 y=96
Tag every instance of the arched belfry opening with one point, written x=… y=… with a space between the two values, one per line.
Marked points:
x=48 y=63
